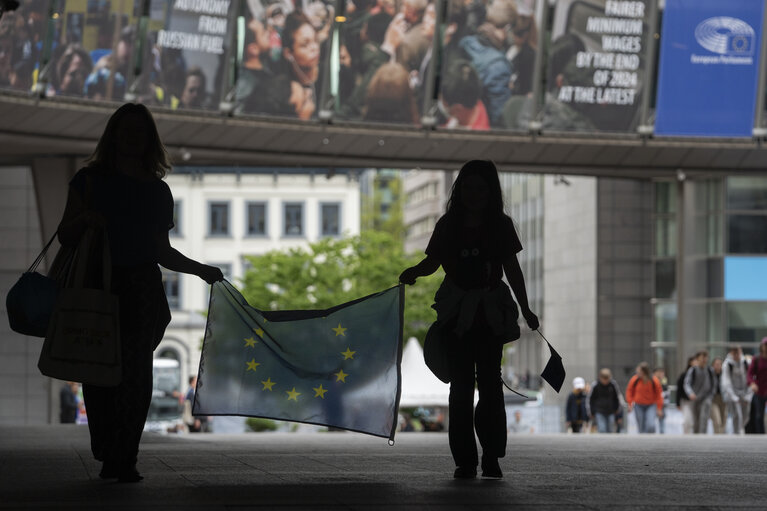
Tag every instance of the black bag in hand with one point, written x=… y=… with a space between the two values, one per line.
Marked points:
x=30 y=302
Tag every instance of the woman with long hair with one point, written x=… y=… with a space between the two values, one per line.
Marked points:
x=643 y=393
x=475 y=242
x=121 y=191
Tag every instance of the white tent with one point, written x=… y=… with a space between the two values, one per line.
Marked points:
x=419 y=386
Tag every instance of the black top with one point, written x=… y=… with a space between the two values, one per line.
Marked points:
x=473 y=256
x=135 y=211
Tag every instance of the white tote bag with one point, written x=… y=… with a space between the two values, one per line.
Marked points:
x=83 y=339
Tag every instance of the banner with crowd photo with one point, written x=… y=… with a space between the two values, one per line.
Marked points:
x=385 y=48
x=596 y=72
x=338 y=367
x=284 y=51
x=92 y=49
x=709 y=68
x=185 y=53
x=488 y=63
x=21 y=38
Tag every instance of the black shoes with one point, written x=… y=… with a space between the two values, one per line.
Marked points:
x=465 y=473
x=491 y=468
x=123 y=475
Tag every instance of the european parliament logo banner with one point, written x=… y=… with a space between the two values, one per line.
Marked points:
x=709 y=66
x=338 y=367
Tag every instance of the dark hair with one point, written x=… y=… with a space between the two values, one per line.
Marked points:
x=198 y=72
x=486 y=170
x=644 y=368
x=155 y=159
x=701 y=353
x=461 y=85
x=293 y=22
x=377 y=26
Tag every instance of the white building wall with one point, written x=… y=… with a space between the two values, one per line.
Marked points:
x=196 y=191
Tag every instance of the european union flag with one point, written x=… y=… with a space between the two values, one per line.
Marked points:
x=337 y=367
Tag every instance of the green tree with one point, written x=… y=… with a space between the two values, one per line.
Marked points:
x=333 y=271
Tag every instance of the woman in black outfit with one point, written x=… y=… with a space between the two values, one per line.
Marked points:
x=475 y=242
x=121 y=190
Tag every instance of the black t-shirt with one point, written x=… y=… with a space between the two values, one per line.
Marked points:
x=473 y=256
x=135 y=211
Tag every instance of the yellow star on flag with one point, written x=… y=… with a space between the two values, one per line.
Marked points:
x=319 y=391
x=339 y=330
x=292 y=394
x=341 y=376
x=268 y=384
x=250 y=341
x=348 y=354
x=259 y=332
x=252 y=365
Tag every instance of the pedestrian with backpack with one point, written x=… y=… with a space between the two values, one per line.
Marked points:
x=604 y=401
x=735 y=390
x=700 y=386
x=642 y=394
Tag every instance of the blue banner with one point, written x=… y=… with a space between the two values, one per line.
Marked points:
x=709 y=67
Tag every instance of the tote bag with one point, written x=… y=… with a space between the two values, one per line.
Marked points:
x=83 y=339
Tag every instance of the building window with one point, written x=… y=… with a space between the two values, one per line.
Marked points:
x=665 y=322
x=665 y=278
x=746 y=322
x=176 y=230
x=330 y=219
x=256 y=221
x=171 y=281
x=747 y=193
x=747 y=234
x=293 y=219
x=218 y=219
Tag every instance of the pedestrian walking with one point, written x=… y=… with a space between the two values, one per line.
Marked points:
x=735 y=389
x=718 y=406
x=68 y=402
x=475 y=242
x=645 y=397
x=604 y=401
x=660 y=374
x=121 y=191
x=757 y=380
x=683 y=403
x=576 y=411
x=699 y=384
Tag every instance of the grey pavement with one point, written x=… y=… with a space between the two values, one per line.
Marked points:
x=50 y=467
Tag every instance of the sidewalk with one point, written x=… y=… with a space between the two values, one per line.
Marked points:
x=50 y=467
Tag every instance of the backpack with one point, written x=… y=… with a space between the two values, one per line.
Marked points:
x=653 y=379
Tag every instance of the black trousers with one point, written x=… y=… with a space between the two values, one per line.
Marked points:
x=116 y=415
x=476 y=357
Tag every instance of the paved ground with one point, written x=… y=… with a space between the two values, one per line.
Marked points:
x=50 y=467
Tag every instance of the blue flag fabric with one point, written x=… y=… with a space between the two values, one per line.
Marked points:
x=337 y=367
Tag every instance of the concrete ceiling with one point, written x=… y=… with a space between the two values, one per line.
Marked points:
x=36 y=127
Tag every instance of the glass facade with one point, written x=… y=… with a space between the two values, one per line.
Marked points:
x=523 y=195
x=725 y=264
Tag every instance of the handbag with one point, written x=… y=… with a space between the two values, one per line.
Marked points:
x=31 y=300
x=83 y=339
